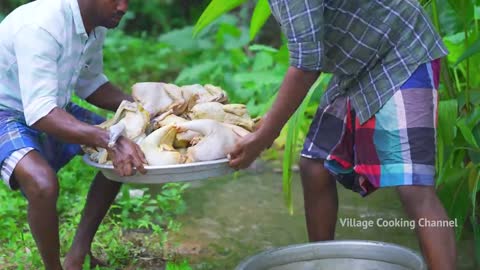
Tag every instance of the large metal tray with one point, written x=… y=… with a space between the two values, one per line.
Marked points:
x=171 y=173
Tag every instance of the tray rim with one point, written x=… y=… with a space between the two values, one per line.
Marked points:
x=222 y=161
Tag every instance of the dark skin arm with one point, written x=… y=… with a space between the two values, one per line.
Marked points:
x=125 y=154
x=108 y=97
x=293 y=90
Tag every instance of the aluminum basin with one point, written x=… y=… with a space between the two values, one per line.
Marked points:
x=336 y=255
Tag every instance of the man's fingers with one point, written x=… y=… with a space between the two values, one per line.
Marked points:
x=237 y=150
x=127 y=169
x=118 y=166
x=137 y=162
x=236 y=162
x=141 y=154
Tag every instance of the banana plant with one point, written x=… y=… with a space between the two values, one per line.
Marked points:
x=458 y=155
x=217 y=8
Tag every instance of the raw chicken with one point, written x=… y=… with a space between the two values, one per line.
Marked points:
x=235 y=114
x=218 y=140
x=201 y=94
x=157 y=98
x=174 y=125
x=158 y=147
x=182 y=140
x=239 y=131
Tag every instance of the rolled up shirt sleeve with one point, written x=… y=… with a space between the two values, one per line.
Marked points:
x=303 y=24
x=37 y=71
x=91 y=76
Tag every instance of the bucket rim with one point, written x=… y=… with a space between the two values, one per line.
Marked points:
x=414 y=257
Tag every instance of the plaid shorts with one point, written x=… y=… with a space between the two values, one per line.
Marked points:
x=17 y=139
x=397 y=146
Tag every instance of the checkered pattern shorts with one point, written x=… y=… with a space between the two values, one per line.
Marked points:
x=397 y=146
x=17 y=139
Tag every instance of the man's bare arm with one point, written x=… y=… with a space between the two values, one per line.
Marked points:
x=66 y=127
x=291 y=94
x=125 y=155
x=108 y=97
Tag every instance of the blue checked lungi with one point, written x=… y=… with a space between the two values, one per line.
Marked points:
x=17 y=139
x=397 y=146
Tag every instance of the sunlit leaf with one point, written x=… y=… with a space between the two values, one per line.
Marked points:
x=260 y=47
x=259 y=17
x=214 y=10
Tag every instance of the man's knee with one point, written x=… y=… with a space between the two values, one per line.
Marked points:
x=314 y=173
x=36 y=178
x=43 y=187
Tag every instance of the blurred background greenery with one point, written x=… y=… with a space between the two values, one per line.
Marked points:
x=239 y=47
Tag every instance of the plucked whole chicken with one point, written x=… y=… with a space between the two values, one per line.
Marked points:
x=177 y=124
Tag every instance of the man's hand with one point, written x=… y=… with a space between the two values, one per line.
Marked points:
x=127 y=155
x=293 y=90
x=248 y=149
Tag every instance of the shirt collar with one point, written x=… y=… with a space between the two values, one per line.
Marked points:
x=77 y=17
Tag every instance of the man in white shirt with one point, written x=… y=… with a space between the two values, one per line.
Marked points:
x=48 y=49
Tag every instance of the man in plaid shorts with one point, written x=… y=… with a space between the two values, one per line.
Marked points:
x=376 y=124
x=50 y=48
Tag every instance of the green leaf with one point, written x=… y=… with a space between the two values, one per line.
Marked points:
x=447 y=117
x=259 y=17
x=471 y=50
x=260 y=47
x=214 y=10
x=293 y=128
x=454 y=195
x=474 y=98
x=467 y=124
x=447 y=129
x=263 y=61
x=463 y=8
x=467 y=132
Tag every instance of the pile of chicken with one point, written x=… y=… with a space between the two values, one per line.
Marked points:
x=175 y=125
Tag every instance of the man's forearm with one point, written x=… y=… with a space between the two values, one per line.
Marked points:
x=108 y=97
x=64 y=126
x=291 y=94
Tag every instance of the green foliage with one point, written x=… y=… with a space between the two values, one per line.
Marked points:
x=153 y=213
x=260 y=15
x=178 y=266
x=458 y=162
x=214 y=10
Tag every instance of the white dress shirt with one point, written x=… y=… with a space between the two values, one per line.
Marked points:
x=45 y=55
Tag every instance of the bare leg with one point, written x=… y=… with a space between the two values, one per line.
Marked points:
x=437 y=243
x=100 y=197
x=320 y=200
x=39 y=183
